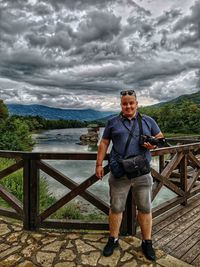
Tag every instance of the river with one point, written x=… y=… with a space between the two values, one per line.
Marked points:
x=67 y=140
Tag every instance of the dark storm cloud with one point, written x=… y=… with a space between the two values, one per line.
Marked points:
x=95 y=53
x=35 y=40
x=190 y=26
x=153 y=70
x=146 y=30
x=59 y=39
x=12 y=24
x=140 y=10
x=194 y=64
x=163 y=40
x=99 y=25
x=42 y=9
x=168 y=16
x=20 y=64
x=198 y=78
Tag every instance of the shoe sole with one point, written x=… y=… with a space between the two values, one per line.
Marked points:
x=150 y=259
x=107 y=255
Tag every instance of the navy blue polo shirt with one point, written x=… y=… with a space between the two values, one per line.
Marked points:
x=117 y=131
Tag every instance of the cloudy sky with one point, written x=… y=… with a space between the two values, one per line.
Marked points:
x=80 y=54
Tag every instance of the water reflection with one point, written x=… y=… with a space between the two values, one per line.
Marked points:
x=91 y=146
x=68 y=140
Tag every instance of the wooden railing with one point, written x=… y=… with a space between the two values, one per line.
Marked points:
x=178 y=170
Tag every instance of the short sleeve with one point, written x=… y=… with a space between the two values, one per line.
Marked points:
x=107 y=131
x=152 y=125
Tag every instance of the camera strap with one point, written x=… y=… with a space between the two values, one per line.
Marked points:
x=139 y=120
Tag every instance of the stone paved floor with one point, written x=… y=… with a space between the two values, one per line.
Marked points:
x=20 y=248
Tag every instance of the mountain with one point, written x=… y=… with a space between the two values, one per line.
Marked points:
x=105 y=119
x=195 y=97
x=57 y=113
x=84 y=114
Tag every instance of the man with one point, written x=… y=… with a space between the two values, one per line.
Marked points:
x=117 y=130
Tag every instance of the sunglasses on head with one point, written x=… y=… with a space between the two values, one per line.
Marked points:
x=128 y=92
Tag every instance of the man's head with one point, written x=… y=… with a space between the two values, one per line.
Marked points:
x=129 y=103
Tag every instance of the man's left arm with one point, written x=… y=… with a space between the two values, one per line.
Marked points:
x=159 y=135
x=156 y=132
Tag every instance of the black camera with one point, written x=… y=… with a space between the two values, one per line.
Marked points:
x=152 y=140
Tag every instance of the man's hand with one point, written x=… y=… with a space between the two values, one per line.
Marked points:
x=149 y=146
x=99 y=171
x=103 y=146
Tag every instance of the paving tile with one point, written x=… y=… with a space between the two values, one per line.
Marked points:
x=47 y=249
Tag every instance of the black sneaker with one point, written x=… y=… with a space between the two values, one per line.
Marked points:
x=148 y=250
x=110 y=246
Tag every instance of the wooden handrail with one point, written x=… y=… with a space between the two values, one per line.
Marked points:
x=89 y=156
x=175 y=173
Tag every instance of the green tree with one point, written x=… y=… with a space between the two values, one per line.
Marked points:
x=15 y=135
x=182 y=117
x=3 y=111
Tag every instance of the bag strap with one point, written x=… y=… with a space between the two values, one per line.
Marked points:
x=129 y=139
x=139 y=120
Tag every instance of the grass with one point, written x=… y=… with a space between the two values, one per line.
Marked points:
x=179 y=135
x=14 y=184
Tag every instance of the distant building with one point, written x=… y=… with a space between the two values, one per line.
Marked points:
x=92 y=134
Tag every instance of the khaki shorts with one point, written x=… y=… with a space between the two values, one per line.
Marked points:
x=142 y=190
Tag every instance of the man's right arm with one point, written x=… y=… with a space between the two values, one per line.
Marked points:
x=102 y=150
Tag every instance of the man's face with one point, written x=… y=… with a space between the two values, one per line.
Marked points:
x=129 y=105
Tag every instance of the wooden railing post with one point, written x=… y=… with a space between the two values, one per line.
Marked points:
x=161 y=163
x=129 y=222
x=183 y=173
x=31 y=195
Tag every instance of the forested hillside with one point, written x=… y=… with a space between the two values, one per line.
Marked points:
x=180 y=117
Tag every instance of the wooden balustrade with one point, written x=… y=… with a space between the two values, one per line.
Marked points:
x=178 y=170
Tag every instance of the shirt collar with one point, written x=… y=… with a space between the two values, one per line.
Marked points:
x=125 y=118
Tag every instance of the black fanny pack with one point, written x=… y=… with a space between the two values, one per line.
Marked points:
x=135 y=166
x=132 y=166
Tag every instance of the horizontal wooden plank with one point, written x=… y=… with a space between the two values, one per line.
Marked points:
x=11 y=213
x=164 y=207
x=189 y=242
x=181 y=242
x=91 y=156
x=192 y=254
x=74 y=224
x=196 y=261
x=175 y=149
x=177 y=231
x=175 y=228
x=173 y=214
